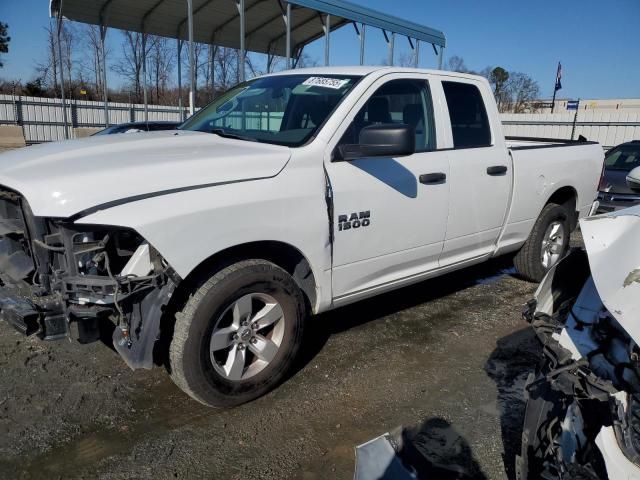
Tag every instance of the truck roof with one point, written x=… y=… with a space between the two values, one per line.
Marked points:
x=362 y=70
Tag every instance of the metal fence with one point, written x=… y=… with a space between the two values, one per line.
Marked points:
x=610 y=129
x=42 y=119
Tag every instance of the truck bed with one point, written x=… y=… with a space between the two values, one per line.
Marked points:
x=524 y=143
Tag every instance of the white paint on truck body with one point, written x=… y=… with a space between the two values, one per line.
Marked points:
x=192 y=195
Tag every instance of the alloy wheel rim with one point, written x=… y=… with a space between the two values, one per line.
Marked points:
x=552 y=244
x=247 y=336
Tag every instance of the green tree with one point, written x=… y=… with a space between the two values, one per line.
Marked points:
x=4 y=40
x=499 y=78
x=34 y=88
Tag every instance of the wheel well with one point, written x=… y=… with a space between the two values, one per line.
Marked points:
x=282 y=254
x=569 y=197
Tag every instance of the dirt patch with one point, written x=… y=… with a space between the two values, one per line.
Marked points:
x=445 y=359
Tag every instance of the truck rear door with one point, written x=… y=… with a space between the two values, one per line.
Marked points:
x=481 y=171
x=390 y=214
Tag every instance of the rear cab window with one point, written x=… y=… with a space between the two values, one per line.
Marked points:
x=469 y=121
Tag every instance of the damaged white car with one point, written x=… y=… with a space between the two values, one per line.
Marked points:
x=583 y=411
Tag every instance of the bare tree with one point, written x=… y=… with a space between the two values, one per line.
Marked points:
x=406 y=59
x=306 y=61
x=66 y=39
x=91 y=64
x=226 y=67
x=523 y=90
x=130 y=64
x=456 y=64
x=160 y=61
x=276 y=63
x=48 y=69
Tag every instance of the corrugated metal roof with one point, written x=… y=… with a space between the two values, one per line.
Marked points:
x=357 y=13
x=218 y=21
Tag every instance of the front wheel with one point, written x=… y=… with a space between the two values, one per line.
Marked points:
x=238 y=334
x=547 y=243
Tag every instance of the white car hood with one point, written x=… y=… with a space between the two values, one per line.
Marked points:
x=65 y=178
x=613 y=246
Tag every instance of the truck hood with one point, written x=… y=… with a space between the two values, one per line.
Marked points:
x=612 y=242
x=64 y=179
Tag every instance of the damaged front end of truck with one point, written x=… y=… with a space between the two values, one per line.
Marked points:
x=583 y=403
x=62 y=279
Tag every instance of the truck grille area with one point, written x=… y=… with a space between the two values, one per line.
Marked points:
x=60 y=279
x=16 y=260
x=24 y=302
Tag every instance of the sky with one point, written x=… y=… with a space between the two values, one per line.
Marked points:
x=598 y=42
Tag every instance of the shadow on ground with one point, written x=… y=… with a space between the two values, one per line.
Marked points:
x=515 y=357
x=437 y=450
x=322 y=326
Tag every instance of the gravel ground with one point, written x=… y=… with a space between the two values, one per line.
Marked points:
x=445 y=360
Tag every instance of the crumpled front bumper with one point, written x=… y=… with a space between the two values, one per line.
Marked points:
x=33 y=315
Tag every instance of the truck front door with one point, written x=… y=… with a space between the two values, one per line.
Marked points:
x=390 y=214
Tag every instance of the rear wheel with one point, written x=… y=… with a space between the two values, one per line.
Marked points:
x=547 y=243
x=238 y=335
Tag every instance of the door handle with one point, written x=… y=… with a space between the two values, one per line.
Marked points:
x=497 y=170
x=433 y=178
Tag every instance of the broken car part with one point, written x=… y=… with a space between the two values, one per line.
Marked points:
x=583 y=409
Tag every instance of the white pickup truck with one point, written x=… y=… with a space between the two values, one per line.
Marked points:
x=291 y=194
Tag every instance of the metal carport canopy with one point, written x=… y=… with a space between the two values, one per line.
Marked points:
x=218 y=21
x=272 y=27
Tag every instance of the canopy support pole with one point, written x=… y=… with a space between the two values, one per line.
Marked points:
x=440 y=56
x=144 y=77
x=61 y=63
x=390 y=39
x=417 y=52
x=413 y=51
x=192 y=71
x=180 y=79
x=287 y=21
x=362 y=35
x=298 y=56
x=241 y=59
x=103 y=54
x=327 y=38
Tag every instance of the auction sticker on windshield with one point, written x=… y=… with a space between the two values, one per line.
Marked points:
x=334 y=83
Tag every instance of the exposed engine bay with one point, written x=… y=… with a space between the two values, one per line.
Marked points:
x=62 y=279
x=583 y=409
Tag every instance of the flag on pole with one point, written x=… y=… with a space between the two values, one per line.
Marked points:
x=559 y=77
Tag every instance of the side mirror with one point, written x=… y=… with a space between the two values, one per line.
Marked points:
x=381 y=140
x=633 y=179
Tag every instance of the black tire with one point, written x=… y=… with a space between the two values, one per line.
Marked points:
x=190 y=363
x=527 y=261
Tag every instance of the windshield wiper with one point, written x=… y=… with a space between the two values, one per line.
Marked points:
x=223 y=133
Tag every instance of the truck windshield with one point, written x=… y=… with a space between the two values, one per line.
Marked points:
x=282 y=109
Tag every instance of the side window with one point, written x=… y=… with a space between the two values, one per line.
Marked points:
x=469 y=121
x=398 y=101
